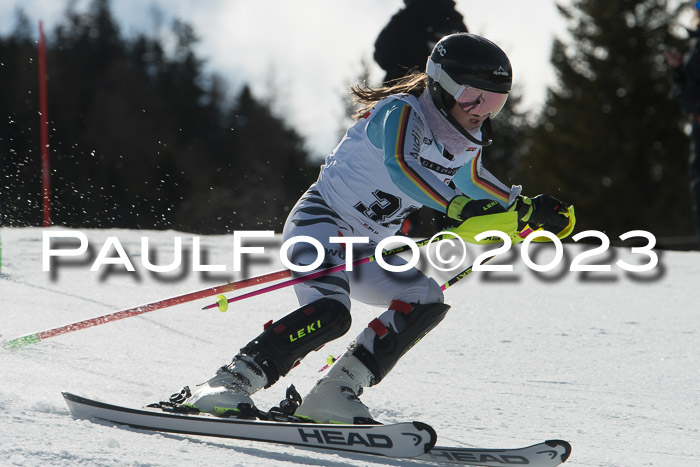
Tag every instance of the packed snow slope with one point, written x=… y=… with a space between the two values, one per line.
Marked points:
x=609 y=361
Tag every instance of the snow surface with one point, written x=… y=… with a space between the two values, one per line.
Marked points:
x=608 y=361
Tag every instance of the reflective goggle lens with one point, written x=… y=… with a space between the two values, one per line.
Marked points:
x=479 y=102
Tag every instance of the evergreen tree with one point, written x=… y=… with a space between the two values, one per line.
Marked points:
x=609 y=139
x=510 y=133
x=140 y=137
x=272 y=172
x=20 y=159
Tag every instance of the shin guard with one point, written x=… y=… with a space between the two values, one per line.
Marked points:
x=285 y=342
x=410 y=323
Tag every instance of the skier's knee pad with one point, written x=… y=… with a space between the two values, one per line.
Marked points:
x=285 y=342
x=409 y=323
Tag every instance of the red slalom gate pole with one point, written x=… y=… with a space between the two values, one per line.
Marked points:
x=44 y=125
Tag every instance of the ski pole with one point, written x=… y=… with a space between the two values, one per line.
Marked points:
x=458 y=277
x=141 y=309
x=462 y=275
x=223 y=302
x=36 y=337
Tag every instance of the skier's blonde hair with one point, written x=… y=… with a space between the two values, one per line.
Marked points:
x=414 y=83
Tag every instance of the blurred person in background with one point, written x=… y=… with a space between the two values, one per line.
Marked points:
x=411 y=34
x=400 y=49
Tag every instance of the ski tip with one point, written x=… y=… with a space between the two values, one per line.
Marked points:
x=554 y=443
x=432 y=435
x=70 y=396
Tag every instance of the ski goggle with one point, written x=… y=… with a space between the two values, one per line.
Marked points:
x=473 y=100
x=479 y=102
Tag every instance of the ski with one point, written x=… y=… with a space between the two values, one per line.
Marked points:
x=412 y=440
x=408 y=439
x=546 y=454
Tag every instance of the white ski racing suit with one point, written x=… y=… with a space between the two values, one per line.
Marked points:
x=387 y=165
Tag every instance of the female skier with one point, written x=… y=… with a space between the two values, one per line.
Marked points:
x=416 y=143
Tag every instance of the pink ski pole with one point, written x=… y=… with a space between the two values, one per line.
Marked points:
x=222 y=302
